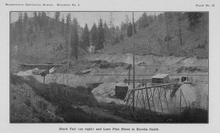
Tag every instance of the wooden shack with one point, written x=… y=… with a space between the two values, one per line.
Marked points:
x=121 y=91
x=161 y=78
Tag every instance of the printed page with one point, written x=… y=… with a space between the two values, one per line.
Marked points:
x=109 y=66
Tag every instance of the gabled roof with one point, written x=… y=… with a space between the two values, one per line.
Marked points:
x=160 y=75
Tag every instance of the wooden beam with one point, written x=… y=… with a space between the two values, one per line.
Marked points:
x=159 y=92
x=129 y=75
x=165 y=95
x=148 y=101
x=153 y=99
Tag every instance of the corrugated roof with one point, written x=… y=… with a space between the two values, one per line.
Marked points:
x=160 y=75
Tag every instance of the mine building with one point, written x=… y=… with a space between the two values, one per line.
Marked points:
x=161 y=78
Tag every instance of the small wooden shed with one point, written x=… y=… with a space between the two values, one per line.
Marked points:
x=121 y=91
x=160 y=78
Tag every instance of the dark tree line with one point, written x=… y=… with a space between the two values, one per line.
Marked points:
x=28 y=29
x=145 y=20
x=85 y=37
x=101 y=37
x=194 y=18
x=97 y=37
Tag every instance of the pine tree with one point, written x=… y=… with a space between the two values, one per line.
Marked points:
x=40 y=20
x=75 y=39
x=62 y=27
x=121 y=37
x=129 y=30
x=35 y=15
x=101 y=37
x=35 y=21
x=19 y=24
x=180 y=34
x=113 y=28
x=111 y=20
x=94 y=35
x=44 y=22
x=43 y=14
x=160 y=17
x=117 y=39
x=194 y=18
x=105 y=26
x=150 y=19
x=25 y=18
x=167 y=38
x=68 y=19
x=117 y=28
x=25 y=25
x=134 y=27
x=107 y=33
x=31 y=31
x=57 y=19
x=155 y=17
x=144 y=21
x=124 y=26
x=57 y=16
x=85 y=37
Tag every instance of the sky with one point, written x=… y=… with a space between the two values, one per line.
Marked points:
x=91 y=17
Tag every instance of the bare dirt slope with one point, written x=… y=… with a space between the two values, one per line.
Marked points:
x=28 y=107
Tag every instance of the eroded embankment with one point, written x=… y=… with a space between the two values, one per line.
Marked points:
x=34 y=102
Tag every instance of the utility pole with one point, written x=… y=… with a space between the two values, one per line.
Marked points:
x=133 y=106
x=129 y=73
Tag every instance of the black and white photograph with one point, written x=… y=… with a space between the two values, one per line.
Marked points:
x=109 y=67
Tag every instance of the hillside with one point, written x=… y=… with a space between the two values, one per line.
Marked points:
x=40 y=43
x=49 y=41
x=152 y=40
